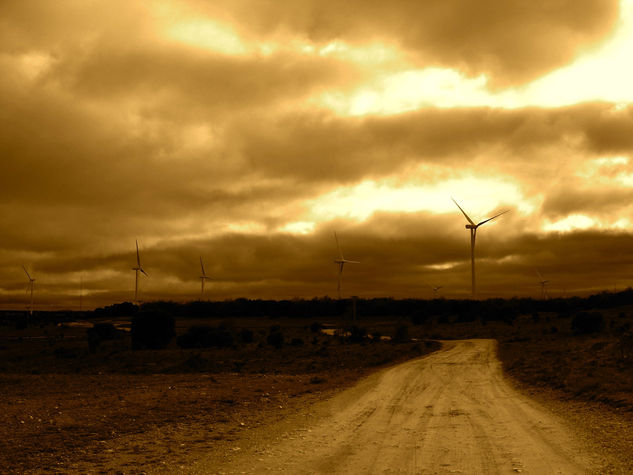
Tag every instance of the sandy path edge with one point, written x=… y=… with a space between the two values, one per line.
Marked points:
x=454 y=411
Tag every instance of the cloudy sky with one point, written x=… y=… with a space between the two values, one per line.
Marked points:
x=248 y=131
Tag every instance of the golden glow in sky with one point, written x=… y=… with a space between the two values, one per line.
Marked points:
x=480 y=196
x=602 y=73
x=247 y=131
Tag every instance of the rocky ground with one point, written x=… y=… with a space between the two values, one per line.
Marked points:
x=63 y=409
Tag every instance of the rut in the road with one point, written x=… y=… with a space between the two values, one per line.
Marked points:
x=450 y=412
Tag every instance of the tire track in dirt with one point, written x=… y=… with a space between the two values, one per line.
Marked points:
x=450 y=412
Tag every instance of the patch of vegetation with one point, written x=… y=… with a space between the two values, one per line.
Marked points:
x=206 y=336
x=586 y=323
x=152 y=330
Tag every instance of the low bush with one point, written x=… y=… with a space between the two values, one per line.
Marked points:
x=402 y=334
x=205 y=336
x=357 y=334
x=585 y=323
x=98 y=333
x=152 y=330
x=275 y=338
x=246 y=335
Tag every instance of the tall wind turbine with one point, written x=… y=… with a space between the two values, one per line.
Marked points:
x=203 y=277
x=341 y=261
x=473 y=233
x=137 y=269
x=30 y=288
x=543 y=283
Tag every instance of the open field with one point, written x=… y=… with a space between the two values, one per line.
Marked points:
x=63 y=405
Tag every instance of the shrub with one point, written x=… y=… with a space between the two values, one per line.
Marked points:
x=315 y=327
x=246 y=335
x=104 y=331
x=21 y=323
x=418 y=318
x=402 y=334
x=152 y=330
x=275 y=338
x=296 y=342
x=63 y=352
x=205 y=336
x=357 y=334
x=586 y=323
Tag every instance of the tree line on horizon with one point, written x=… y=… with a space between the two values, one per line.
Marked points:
x=416 y=309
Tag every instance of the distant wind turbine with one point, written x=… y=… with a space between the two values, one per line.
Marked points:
x=30 y=288
x=203 y=277
x=341 y=261
x=473 y=233
x=137 y=269
x=543 y=283
x=434 y=288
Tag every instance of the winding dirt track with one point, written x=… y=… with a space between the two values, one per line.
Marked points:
x=450 y=412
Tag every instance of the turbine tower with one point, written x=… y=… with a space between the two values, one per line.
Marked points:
x=137 y=269
x=30 y=288
x=341 y=261
x=543 y=283
x=203 y=277
x=473 y=233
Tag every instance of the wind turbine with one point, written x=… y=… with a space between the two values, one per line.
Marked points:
x=30 y=288
x=137 y=269
x=473 y=233
x=543 y=283
x=434 y=288
x=203 y=277
x=341 y=261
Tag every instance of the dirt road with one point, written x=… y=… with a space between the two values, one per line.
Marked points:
x=451 y=412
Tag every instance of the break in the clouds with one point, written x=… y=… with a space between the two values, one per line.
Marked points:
x=247 y=132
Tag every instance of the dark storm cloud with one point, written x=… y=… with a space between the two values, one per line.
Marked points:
x=189 y=79
x=512 y=41
x=322 y=146
x=586 y=201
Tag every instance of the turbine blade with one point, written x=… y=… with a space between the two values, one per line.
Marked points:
x=202 y=267
x=27 y=273
x=351 y=262
x=495 y=216
x=338 y=246
x=464 y=212
x=539 y=274
x=146 y=274
x=138 y=256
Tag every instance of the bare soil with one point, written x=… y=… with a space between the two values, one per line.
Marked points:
x=450 y=412
x=66 y=410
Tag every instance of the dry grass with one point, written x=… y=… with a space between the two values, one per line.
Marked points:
x=60 y=405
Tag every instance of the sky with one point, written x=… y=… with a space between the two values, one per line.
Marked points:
x=247 y=132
